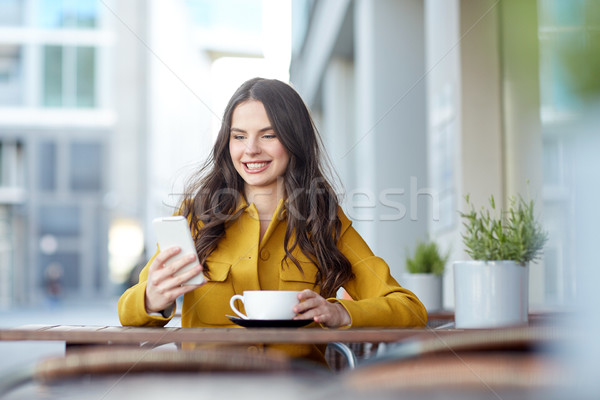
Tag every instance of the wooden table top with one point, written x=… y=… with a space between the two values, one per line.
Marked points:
x=77 y=334
x=130 y=335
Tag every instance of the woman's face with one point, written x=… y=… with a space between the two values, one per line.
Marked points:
x=255 y=149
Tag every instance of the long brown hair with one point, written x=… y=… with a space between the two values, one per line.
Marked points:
x=212 y=195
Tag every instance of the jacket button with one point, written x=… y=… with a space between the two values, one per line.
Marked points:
x=264 y=254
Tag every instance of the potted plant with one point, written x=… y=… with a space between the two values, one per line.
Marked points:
x=424 y=274
x=492 y=291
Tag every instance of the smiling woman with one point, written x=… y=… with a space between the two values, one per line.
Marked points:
x=264 y=216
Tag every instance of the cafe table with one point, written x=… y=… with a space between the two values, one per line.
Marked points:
x=88 y=335
x=474 y=355
x=77 y=335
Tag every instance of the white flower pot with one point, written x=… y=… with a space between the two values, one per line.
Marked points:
x=490 y=294
x=427 y=287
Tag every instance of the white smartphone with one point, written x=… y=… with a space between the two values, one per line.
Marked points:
x=175 y=231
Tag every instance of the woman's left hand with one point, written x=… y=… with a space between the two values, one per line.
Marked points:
x=313 y=306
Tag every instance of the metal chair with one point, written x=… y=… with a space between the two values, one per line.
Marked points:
x=344 y=350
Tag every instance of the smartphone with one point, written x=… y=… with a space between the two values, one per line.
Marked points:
x=175 y=231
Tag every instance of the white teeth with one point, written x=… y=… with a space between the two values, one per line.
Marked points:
x=256 y=165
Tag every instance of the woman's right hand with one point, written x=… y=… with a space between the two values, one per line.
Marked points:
x=163 y=286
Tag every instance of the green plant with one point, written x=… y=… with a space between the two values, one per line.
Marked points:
x=426 y=260
x=505 y=235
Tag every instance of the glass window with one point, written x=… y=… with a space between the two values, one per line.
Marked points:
x=231 y=15
x=10 y=75
x=60 y=221
x=11 y=12
x=68 y=13
x=47 y=164
x=561 y=13
x=568 y=72
x=86 y=79
x=86 y=166
x=69 y=76
x=53 y=74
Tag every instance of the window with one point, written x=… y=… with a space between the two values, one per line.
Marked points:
x=69 y=76
x=10 y=75
x=569 y=43
x=86 y=58
x=68 y=13
x=227 y=15
x=53 y=86
x=11 y=12
x=86 y=167
x=60 y=221
x=47 y=164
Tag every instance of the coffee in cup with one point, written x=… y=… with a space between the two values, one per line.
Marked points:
x=266 y=304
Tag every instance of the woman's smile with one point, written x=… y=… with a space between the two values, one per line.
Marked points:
x=254 y=167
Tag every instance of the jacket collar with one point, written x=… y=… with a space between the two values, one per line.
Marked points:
x=279 y=214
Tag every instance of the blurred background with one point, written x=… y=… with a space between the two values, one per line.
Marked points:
x=106 y=107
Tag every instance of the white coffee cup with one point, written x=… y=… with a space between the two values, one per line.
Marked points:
x=266 y=304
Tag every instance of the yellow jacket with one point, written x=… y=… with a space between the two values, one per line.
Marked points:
x=242 y=261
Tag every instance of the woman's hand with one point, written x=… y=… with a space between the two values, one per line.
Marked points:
x=163 y=287
x=313 y=306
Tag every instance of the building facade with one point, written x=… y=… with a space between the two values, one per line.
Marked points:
x=55 y=128
x=105 y=108
x=421 y=102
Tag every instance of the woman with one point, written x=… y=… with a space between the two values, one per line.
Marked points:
x=264 y=217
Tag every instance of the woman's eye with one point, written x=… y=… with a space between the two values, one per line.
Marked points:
x=270 y=136
x=238 y=137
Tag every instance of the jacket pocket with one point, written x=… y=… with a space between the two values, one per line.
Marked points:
x=218 y=271
x=291 y=278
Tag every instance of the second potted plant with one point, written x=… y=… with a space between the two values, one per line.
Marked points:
x=492 y=290
x=424 y=277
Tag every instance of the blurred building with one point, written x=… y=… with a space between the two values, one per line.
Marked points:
x=56 y=127
x=105 y=107
x=424 y=101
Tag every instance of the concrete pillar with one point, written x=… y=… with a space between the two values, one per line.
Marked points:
x=338 y=125
x=390 y=145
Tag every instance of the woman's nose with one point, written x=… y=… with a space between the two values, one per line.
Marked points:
x=252 y=147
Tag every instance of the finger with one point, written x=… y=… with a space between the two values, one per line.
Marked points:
x=174 y=281
x=306 y=294
x=161 y=259
x=307 y=305
x=181 y=290
x=162 y=281
x=175 y=266
x=314 y=314
x=180 y=279
x=313 y=305
x=171 y=294
x=171 y=268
